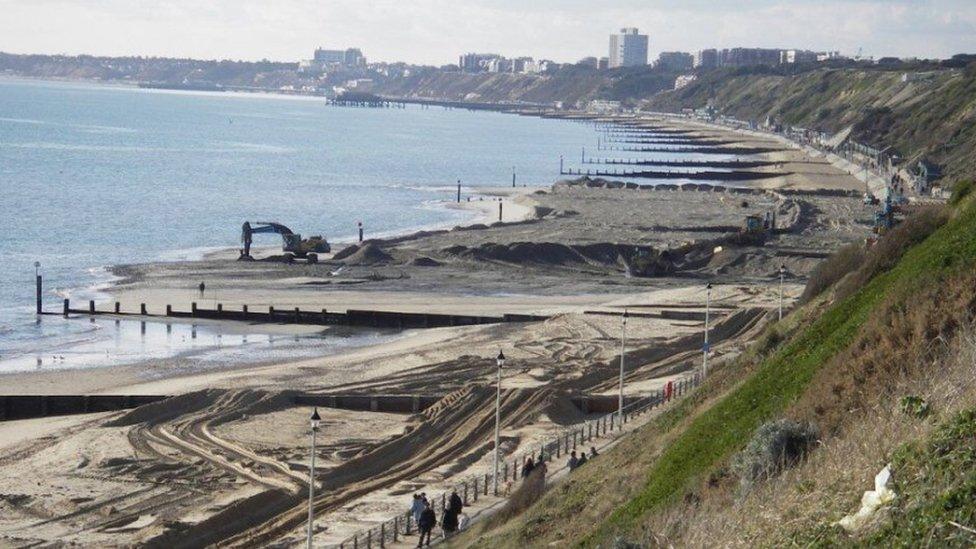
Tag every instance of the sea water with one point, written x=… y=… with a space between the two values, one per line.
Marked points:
x=93 y=176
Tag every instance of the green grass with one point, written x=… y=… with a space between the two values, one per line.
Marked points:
x=725 y=428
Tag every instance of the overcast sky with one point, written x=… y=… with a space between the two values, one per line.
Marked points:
x=436 y=31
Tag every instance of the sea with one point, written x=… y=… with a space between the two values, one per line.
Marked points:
x=98 y=175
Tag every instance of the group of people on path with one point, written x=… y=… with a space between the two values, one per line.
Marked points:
x=422 y=509
x=423 y=514
x=575 y=462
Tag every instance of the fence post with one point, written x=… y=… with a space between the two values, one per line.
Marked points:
x=486 y=485
x=465 y=493
x=505 y=468
x=443 y=501
x=382 y=535
x=355 y=542
x=476 y=488
x=369 y=539
x=406 y=531
x=396 y=528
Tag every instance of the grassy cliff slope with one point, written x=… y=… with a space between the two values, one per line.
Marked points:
x=933 y=116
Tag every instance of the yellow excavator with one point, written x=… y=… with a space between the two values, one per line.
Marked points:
x=292 y=242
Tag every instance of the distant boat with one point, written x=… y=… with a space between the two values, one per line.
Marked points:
x=185 y=86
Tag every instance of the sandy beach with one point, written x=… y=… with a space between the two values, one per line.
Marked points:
x=230 y=447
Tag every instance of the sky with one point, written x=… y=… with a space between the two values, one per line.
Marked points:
x=436 y=31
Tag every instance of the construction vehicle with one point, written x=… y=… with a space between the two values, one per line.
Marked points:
x=291 y=242
x=884 y=218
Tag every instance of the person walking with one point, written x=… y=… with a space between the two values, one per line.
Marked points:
x=416 y=508
x=528 y=467
x=582 y=460
x=593 y=453
x=449 y=523
x=428 y=519
x=454 y=503
x=203 y=287
x=573 y=461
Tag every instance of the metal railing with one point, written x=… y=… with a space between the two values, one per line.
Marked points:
x=553 y=447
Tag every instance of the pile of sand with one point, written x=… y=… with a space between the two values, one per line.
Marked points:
x=367 y=254
x=424 y=261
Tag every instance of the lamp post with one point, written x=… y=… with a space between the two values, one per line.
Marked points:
x=500 y=362
x=314 y=420
x=623 y=351
x=708 y=297
x=782 y=273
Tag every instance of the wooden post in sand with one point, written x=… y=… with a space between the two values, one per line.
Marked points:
x=67 y=306
x=499 y=210
x=459 y=192
x=91 y=306
x=118 y=307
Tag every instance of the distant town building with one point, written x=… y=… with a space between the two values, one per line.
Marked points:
x=675 y=60
x=603 y=106
x=742 y=57
x=352 y=57
x=683 y=80
x=329 y=56
x=790 y=57
x=520 y=64
x=706 y=59
x=476 y=62
x=628 y=48
x=829 y=55
x=603 y=64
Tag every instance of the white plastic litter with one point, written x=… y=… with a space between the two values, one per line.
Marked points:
x=870 y=501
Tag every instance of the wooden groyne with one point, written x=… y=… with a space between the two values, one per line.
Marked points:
x=676 y=163
x=16 y=407
x=733 y=175
x=296 y=315
x=696 y=150
x=668 y=141
x=33 y=406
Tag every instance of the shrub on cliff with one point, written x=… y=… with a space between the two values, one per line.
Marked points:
x=775 y=446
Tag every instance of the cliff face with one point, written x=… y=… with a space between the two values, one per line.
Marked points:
x=568 y=86
x=928 y=114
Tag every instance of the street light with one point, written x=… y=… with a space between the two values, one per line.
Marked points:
x=623 y=351
x=782 y=273
x=705 y=348
x=314 y=420
x=500 y=362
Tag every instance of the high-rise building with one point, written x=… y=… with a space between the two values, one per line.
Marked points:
x=706 y=59
x=675 y=60
x=628 y=48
